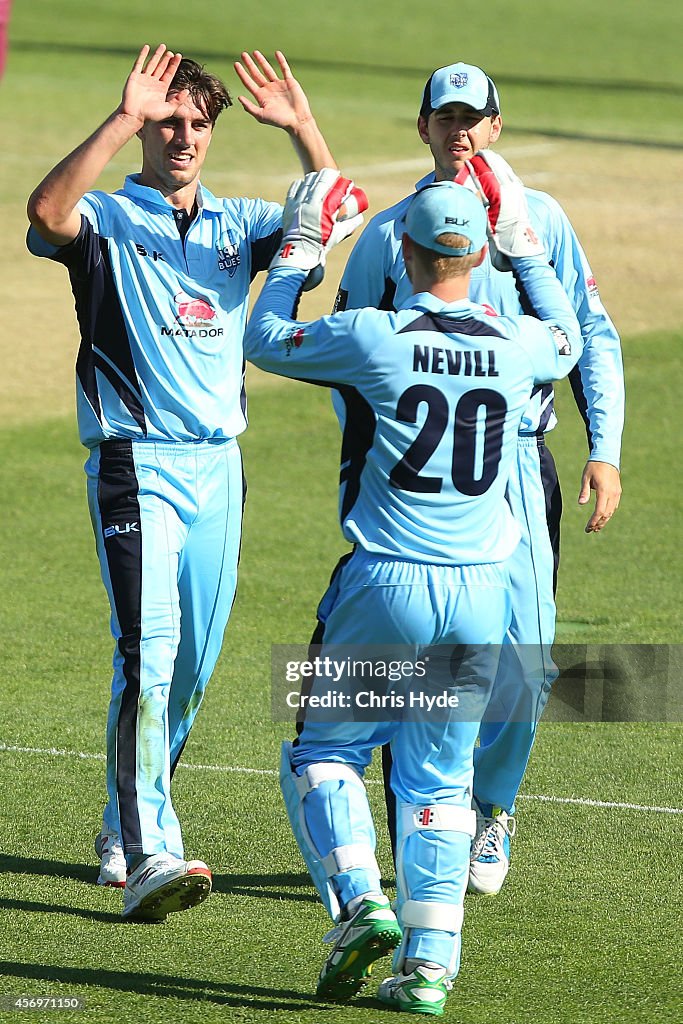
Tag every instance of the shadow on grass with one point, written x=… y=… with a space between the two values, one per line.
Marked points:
x=49 y=868
x=34 y=907
x=274 y=887
x=165 y=986
x=269 y=887
x=282 y=886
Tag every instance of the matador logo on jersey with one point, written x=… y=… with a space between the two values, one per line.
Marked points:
x=194 y=312
x=228 y=254
x=294 y=340
x=195 y=316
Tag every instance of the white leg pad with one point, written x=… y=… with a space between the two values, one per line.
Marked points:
x=438 y=817
x=446 y=917
x=325 y=771
x=344 y=858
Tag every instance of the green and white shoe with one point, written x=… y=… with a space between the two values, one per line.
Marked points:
x=423 y=991
x=369 y=934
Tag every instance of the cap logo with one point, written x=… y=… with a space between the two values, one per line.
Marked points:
x=459 y=80
x=455 y=220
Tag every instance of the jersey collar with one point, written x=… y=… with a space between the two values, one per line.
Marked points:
x=427 y=180
x=430 y=304
x=206 y=201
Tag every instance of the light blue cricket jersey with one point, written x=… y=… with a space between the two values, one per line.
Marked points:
x=375 y=276
x=161 y=316
x=439 y=395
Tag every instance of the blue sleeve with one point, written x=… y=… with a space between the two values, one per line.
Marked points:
x=547 y=345
x=81 y=256
x=562 y=341
x=326 y=351
x=82 y=253
x=598 y=380
x=264 y=230
x=370 y=275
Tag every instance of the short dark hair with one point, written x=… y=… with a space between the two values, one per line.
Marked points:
x=207 y=91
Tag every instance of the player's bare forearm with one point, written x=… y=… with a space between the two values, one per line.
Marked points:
x=52 y=205
x=605 y=480
x=311 y=148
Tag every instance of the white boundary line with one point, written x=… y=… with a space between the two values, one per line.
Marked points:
x=412 y=165
x=7 y=748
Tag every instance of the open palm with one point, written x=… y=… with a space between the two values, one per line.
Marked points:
x=144 y=94
x=280 y=102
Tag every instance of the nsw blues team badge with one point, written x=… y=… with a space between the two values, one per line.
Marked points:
x=228 y=254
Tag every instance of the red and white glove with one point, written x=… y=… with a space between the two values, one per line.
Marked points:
x=320 y=211
x=509 y=226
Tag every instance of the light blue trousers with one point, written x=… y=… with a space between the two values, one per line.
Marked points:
x=526 y=670
x=423 y=612
x=167 y=522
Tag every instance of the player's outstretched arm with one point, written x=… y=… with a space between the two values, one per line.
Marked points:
x=605 y=480
x=52 y=207
x=319 y=211
x=511 y=233
x=281 y=102
x=512 y=238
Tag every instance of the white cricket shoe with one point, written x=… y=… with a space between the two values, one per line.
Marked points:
x=162 y=885
x=424 y=990
x=490 y=852
x=112 y=860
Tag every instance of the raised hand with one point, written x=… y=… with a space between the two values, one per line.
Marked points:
x=510 y=231
x=280 y=102
x=320 y=211
x=144 y=94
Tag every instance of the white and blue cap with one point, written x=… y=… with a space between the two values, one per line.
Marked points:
x=460 y=83
x=446 y=208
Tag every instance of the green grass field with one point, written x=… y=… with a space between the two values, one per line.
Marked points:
x=587 y=930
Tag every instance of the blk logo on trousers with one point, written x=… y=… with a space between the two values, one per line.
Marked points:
x=112 y=531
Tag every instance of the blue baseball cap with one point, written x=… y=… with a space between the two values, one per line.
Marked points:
x=460 y=83
x=444 y=207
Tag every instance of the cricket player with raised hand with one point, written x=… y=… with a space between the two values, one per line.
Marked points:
x=444 y=386
x=160 y=272
x=460 y=117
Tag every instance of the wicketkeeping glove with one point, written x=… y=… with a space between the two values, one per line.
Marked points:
x=509 y=226
x=320 y=211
